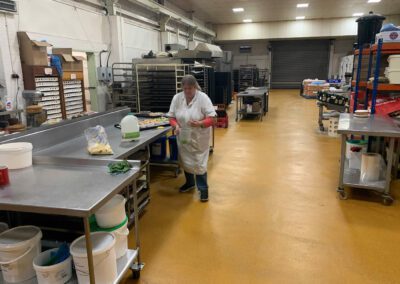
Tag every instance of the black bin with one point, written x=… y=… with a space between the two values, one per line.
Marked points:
x=368 y=27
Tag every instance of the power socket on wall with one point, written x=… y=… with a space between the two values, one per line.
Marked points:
x=104 y=73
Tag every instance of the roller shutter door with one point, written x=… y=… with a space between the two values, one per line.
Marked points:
x=294 y=61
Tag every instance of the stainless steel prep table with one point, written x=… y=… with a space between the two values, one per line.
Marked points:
x=53 y=186
x=374 y=126
x=77 y=147
x=65 y=143
x=253 y=92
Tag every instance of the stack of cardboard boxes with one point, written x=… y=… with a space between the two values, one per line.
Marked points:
x=39 y=75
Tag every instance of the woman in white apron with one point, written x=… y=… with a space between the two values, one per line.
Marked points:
x=191 y=115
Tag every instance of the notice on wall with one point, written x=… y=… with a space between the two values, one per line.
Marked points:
x=48 y=71
x=73 y=76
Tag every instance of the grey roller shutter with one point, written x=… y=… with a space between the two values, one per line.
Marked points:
x=295 y=60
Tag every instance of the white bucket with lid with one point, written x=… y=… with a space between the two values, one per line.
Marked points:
x=394 y=76
x=59 y=273
x=104 y=258
x=16 y=155
x=18 y=247
x=394 y=61
x=121 y=241
x=112 y=213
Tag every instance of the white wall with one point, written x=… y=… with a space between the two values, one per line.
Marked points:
x=69 y=23
x=341 y=48
x=292 y=29
x=259 y=54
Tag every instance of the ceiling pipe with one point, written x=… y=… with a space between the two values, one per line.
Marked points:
x=155 y=7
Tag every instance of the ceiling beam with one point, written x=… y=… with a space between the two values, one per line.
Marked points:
x=157 y=8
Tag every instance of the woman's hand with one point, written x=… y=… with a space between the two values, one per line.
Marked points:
x=177 y=129
x=195 y=123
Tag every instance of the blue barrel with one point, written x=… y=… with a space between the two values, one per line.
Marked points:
x=158 y=149
x=173 y=148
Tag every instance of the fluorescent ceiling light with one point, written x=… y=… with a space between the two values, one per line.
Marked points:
x=374 y=1
x=237 y=10
x=247 y=20
x=300 y=17
x=302 y=5
x=358 y=14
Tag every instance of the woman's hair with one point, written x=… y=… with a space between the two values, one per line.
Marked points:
x=190 y=80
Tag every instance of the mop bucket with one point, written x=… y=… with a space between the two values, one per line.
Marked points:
x=104 y=258
x=18 y=247
x=59 y=273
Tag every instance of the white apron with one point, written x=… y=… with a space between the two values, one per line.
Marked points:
x=193 y=142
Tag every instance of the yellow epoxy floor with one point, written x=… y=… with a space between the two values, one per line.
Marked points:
x=273 y=214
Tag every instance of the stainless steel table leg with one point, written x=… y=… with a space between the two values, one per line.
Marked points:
x=237 y=107
x=320 y=116
x=387 y=198
x=136 y=267
x=89 y=250
x=342 y=193
x=396 y=163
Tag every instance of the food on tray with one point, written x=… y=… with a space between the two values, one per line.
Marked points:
x=155 y=114
x=153 y=122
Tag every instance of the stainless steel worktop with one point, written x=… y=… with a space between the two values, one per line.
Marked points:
x=69 y=187
x=375 y=125
x=77 y=147
x=254 y=92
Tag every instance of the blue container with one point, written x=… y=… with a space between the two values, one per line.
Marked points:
x=158 y=149
x=173 y=148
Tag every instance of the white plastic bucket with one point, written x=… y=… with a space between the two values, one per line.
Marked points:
x=104 y=258
x=394 y=61
x=394 y=76
x=333 y=126
x=121 y=241
x=112 y=213
x=18 y=247
x=363 y=144
x=16 y=155
x=59 y=273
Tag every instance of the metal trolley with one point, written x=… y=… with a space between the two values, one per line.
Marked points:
x=374 y=126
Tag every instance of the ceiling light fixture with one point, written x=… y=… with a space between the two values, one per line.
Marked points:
x=237 y=10
x=358 y=14
x=247 y=21
x=300 y=17
x=302 y=5
x=374 y=1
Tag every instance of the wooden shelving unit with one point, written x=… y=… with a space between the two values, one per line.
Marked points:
x=46 y=80
x=64 y=97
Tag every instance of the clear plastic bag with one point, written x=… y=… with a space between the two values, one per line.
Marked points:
x=97 y=141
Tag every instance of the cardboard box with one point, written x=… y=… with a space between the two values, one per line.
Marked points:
x=69 y=62
x=391 y=36
x=72 y=75
x=32 y=52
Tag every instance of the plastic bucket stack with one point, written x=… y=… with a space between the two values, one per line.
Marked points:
x=18 y=247
x=393 y=71
x=112 y=218
x=104 y=258
x=59 y=273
